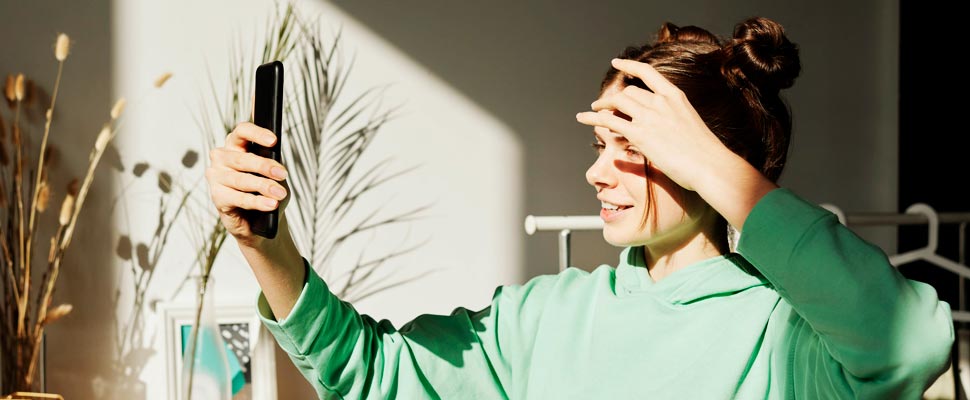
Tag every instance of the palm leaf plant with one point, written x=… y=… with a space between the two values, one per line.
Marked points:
x=324 y=137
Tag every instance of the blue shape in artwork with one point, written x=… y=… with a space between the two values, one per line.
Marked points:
x=235 y=368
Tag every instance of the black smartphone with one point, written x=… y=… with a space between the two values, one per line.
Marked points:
x=267 y=113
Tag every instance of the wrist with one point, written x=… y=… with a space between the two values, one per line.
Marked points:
x=277 y=248
x=259 y=244
x=279 y=269
x=732 y=186
x=716 y=165
x=279 y=251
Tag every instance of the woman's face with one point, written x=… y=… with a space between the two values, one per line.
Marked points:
x=619 y=177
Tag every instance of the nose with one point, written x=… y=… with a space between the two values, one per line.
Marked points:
x=601 y=174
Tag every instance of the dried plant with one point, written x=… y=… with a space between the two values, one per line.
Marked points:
x=26 y=310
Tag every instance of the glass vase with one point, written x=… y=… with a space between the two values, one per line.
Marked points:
x=205 y=365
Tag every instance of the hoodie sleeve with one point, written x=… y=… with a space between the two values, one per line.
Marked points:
x=344 y=354
x=865 y=331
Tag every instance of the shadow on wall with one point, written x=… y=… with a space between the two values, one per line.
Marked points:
x=493 y=51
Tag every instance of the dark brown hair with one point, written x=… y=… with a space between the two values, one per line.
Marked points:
x=733 y=84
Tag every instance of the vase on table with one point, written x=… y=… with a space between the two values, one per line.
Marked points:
x=205 y=364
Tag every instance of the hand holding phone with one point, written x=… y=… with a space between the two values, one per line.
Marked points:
x=268 y=114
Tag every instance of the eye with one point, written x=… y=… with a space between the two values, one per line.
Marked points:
x=633 y=152
x=597 y=147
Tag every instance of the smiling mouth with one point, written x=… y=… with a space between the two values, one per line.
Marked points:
x=613 y=207
x=609 y=215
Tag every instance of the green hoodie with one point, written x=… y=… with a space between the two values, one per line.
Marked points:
x=805 y=309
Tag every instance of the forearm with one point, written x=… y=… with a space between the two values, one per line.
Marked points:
x=279 y=270
x=732 y=187
x=878 y=325
x=345 y=354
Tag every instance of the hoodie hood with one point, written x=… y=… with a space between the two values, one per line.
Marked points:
x=718 y=276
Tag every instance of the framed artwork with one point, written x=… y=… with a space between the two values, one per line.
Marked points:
x=249 y=347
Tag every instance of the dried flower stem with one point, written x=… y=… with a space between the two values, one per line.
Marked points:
x=162 y=79
x=9 y=259
x=66 y=232
x=20 y=87
x=57 y=313
x=67 y=208
x=62 y=48
x=8 y=89
x=118 y=108
x=18 y=189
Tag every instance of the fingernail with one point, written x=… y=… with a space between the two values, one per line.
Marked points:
x=278 y=173
x=269 y=202
x=278 y=191
x=270 y=139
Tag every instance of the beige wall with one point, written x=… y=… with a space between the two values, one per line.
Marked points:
x=534 y=64
x=513 y=74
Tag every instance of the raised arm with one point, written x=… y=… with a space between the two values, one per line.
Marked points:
x=890 y=335
x=342 y=353
x=877 y=327
x=240 y=181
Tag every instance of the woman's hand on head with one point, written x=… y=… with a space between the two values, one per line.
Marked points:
x=662 y=124
x=239 y=180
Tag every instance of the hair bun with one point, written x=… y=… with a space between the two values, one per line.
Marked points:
x=761 y=54
x=670 y=33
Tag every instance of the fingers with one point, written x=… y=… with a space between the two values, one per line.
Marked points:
x=648 y=75
x=247 y=132
x=606 y=119
x=246 y=182
x=642 y=96
x=229 y=200
x=232 y=181
x=247 y=162
x=621 y=102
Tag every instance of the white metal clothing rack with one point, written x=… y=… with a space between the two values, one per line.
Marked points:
x=918 y=214
x=565 y=225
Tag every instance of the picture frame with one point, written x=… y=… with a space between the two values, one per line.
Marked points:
x=250 y=342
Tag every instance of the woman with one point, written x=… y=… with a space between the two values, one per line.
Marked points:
x=691 y=136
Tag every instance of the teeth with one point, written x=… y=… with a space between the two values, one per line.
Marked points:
x=609 y=206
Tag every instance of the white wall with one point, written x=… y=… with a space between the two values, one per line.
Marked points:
x=534 y=64
x=490 y=91
x=472 y=223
